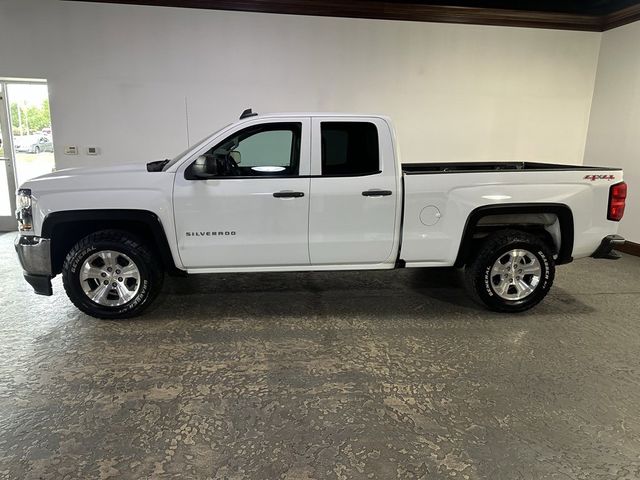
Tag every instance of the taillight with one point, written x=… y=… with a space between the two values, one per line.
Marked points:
x=617 y=197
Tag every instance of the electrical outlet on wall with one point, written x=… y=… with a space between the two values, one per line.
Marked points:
x=93 y=151
x=70 y=150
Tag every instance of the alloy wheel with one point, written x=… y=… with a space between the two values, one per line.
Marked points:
x=110 y=278
x=515 y=274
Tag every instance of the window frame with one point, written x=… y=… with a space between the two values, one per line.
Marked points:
x=294 y=126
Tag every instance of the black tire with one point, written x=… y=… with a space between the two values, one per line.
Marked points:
x=150 y=273
x=36 y=149
x=480 y=283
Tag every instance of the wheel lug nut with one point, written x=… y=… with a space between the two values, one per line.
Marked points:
x=114 y=284
x=103 y=274
x=118 y=272
x=109 y=269
x=119 y=279
x=106 y=282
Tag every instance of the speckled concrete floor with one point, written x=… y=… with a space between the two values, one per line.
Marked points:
x=324 y=376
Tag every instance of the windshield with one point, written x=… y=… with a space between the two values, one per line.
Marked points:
x=181 y=155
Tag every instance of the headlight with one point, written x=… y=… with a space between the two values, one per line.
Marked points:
x=23 y=199
x=23 y=210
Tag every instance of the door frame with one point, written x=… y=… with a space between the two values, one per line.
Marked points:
x=9 y=223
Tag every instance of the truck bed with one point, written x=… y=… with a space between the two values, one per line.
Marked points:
x=435 y=205
x=470 y=167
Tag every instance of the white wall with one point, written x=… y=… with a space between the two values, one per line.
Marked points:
x=614 y=131
x=129 y=79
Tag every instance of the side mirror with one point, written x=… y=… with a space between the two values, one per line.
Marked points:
x=205 y=166
x=235 y=156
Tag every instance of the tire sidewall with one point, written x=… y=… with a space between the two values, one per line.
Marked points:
x=72 y=279
x=491 y=298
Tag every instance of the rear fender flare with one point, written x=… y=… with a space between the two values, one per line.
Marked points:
x=562 y=211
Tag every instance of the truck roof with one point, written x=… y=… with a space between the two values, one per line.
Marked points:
x=315 y=114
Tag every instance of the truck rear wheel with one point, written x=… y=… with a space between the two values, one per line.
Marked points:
x=512 y=271
x=111 y=274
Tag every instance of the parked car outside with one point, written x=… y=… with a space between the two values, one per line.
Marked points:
x=33 y=143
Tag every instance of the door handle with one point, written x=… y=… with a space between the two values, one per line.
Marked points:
x=288 y=194
x=377 y=193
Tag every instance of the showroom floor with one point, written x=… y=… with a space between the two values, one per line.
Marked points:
x=327 y=375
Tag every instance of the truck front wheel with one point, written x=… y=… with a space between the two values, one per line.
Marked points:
x=512 y=271
x=111 y=274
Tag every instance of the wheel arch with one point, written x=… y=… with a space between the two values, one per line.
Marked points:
x=561 y=211
x=67 y=227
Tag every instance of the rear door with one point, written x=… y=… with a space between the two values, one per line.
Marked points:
x=354 y=193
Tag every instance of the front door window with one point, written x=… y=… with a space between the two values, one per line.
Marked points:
x=265 y=150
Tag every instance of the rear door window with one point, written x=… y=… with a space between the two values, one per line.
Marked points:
x=349 y=148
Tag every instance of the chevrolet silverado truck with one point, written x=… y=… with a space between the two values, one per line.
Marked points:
x=311 y=192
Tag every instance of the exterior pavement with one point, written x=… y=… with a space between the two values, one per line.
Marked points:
x=324 y=376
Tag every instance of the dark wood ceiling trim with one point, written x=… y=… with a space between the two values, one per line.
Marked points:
x=621 y=17
x=391 y=11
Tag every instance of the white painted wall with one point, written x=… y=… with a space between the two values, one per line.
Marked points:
x=129 y=79
x=614 y=131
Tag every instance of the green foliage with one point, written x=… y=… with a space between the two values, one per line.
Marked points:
x=33 y=118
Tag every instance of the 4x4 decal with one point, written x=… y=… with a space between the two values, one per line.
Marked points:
x=593 y=178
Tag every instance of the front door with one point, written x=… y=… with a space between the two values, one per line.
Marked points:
x=354 y=194
x=255 y=212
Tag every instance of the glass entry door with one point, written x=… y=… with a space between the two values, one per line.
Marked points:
x=26 y=150
x=7 y=176
x=32 y=137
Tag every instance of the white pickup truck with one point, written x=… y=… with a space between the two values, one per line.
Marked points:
x=308 y=192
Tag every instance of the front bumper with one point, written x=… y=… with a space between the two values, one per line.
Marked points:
x=605 y=250
x=35 y=257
